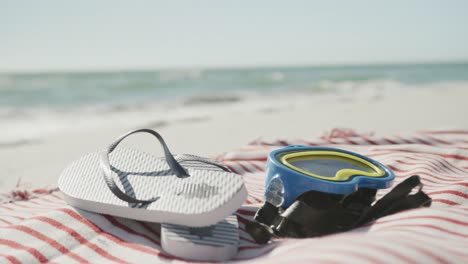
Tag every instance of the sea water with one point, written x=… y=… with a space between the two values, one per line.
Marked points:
x=35 y=104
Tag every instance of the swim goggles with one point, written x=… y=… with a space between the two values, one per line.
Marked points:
x=295 y=170
x=315 y=191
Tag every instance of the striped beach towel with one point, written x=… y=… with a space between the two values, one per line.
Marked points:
x=38 y=226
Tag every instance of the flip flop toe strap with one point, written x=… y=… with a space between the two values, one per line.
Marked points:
x=108 y=174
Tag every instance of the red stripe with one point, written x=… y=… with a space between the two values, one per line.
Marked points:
x=41 y=258
x=430 y=235
x=243 y=167
x=49 y=241
x=5 y=221
x=6 y=207
x=248 y=148
x=449 y=166
x=426 y=181
x=428 y=253
x=428 y=168
x=430 y=165
x=352 y=142
x=386 y=153
x=390 y=141
x=438 y=164
x=79 y=238
x=450 y=156
x=423 y=141
x=369 y=140
x=341 y=251
x=54 y=201
x=348 y=252
x=435 y=161
x=438 y=140
x=437 y=244
x=237 y=169
x=242 y=219
x=445 y=201
x=43 y=203
x=259 y=200
x=310 y=143
x=34 y=207
x=403 y=236
x=58 y=201
x=407 y=141
x=229 y=167
x=258 y=167
x=242 y=159
x=115 y=239
x=116 y=223
x=10 y=258
x=446 y=219
x=56 y=196
x=424 y=242
x=429 y=227
x=429 y=183
x=334 y=140
x=246 y=212
x=456 y=210
x=445 y=163
x=462 y=132
x=464 y=148
x=390 y=252
x=40 y=204
x=328 y=140
x=14 y=216
x=463 y=195
x=414 y=171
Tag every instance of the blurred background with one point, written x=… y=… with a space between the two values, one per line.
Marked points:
x=213 y=75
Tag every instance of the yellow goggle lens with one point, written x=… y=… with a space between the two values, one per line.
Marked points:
x=330 y=165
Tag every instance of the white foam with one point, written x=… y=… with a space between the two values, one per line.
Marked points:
x=32 y=124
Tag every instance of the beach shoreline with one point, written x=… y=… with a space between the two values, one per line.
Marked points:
x=39 y=162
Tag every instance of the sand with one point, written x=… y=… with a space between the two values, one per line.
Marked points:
x=39 y=163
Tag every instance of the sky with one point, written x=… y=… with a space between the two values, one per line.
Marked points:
x=64 y=35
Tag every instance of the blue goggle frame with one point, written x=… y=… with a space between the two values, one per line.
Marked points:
x=285 y=182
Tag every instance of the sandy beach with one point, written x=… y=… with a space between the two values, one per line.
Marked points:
x=40 y=161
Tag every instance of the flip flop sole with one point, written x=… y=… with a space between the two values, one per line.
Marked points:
x=212 y=243
x=204 y=198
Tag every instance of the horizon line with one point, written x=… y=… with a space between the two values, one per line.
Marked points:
x=235 y=67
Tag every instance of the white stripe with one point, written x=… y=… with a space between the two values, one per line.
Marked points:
x=22 y=255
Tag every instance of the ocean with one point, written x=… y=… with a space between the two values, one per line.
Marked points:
x=35 y=104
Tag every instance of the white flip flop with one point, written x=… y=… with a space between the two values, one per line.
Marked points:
x=133 y=184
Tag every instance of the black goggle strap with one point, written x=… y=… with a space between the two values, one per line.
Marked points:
x=307 y=217
x=399 y=199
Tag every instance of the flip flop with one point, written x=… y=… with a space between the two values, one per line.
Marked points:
x=177 y=190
